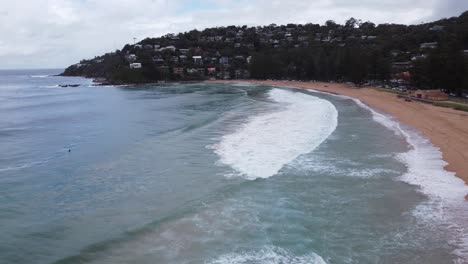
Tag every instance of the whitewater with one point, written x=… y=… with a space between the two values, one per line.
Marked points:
x=265 y=143
x=289 y=177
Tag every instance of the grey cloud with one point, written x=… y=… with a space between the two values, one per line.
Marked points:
x=56 y=33
x=448 y=8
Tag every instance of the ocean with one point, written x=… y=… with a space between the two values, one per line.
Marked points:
x=216 y=173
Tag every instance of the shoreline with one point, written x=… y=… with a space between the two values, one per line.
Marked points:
x=447 y=129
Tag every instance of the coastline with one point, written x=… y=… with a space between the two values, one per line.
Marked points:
x=447 y=129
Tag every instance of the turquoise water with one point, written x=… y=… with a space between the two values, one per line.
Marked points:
x=210 y=173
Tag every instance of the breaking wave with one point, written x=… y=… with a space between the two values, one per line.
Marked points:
x=266 y=142
x=268 y=255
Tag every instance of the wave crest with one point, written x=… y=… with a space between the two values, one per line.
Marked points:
x=263 y=145
x=270 y=255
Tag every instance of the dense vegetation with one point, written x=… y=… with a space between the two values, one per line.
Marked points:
x=355 y=52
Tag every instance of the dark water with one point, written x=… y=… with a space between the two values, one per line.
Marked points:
x=204 y=173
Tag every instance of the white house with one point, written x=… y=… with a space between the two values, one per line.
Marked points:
x=429 y=45
x=171 y=48
x=135 y=65
x=184 y=51
x=197 y=59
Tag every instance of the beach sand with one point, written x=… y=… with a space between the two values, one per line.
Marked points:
x=446 y=128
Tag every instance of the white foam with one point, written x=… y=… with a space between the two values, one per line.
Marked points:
x=268 y=255
x=263 y=145
x=425 y=168
x=39 y=76
x=424 y=162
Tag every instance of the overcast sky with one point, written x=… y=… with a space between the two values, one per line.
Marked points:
x=57 y=33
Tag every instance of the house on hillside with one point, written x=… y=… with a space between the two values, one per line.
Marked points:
x=184 y=51
x=418 y=57
x=401 y=66
x=224 y=60
x=178 y=71
x=135 y=65
x=158 y=60
x=198 y=60
x=211 y=71
x=429 y=45
x=433 y=95
x=170 y=48
x=437 y=28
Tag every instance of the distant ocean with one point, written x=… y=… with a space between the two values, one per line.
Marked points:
x=211 y=173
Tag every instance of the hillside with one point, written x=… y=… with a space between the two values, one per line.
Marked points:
x=427 y=56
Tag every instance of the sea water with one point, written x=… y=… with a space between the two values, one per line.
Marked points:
x=216 y=173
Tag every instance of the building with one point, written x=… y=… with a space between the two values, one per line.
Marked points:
x=437 y=28
x=419 y=57
x=401 y=66
x=138 y=46
x=184 y=51
x=224 y=60
x=158 y=60
x=198 y=59
x=429 y=45
x=135 y=65
x=178 y=71
x=433 y=95
x=212 y=71
x=170 y=48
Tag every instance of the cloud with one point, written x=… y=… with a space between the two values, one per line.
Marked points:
x=448 y=8
x=57 y=33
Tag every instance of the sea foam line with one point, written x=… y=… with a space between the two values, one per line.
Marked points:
x=426 y=169
x=270 y=255
x=266 y=142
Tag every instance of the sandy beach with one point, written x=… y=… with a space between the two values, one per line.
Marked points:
x=446 y=128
